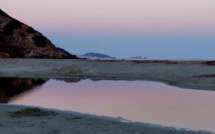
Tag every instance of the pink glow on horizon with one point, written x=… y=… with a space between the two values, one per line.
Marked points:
x=117 y=16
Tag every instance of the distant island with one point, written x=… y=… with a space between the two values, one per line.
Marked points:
x=138 y=58
x=92 y=55
x=18 y=40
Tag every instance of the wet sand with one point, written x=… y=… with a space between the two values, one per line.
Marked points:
x=25 y=120
x=186 y=74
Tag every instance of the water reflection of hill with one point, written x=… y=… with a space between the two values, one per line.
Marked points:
x=70 y=80
x=11 y=88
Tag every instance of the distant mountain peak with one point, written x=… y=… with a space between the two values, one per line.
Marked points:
x=18 y=40
x=97 y=55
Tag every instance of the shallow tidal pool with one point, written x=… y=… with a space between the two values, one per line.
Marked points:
x=139 y=101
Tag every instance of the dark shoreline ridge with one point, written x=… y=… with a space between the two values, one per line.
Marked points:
x=18 y=40
x=185 y=74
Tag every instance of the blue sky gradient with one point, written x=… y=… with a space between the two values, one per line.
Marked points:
x=150 y=47
x=157 y=29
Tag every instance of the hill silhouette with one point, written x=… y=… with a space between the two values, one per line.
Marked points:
x=18 y=40
x=97 y=55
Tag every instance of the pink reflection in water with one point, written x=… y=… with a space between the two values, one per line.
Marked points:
x=143 y=101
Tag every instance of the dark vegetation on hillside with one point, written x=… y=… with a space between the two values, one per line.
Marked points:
x=39 y=41
x=11 y=26
x=18 y=40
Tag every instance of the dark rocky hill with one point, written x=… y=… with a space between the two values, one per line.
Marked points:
x=18 y=40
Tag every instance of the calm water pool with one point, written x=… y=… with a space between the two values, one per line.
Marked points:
x=143 y=101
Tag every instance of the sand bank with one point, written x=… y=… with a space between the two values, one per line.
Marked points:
x=187 y=74
x=24 y=120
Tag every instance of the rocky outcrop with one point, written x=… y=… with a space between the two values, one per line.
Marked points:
x=18 y=40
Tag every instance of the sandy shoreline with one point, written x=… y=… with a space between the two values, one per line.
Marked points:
x=187 y=74
x=25 y=119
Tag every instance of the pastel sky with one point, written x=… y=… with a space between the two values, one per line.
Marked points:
x=167 y=29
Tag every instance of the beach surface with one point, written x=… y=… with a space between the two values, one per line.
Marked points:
x=186 y=74
x=26 y=119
